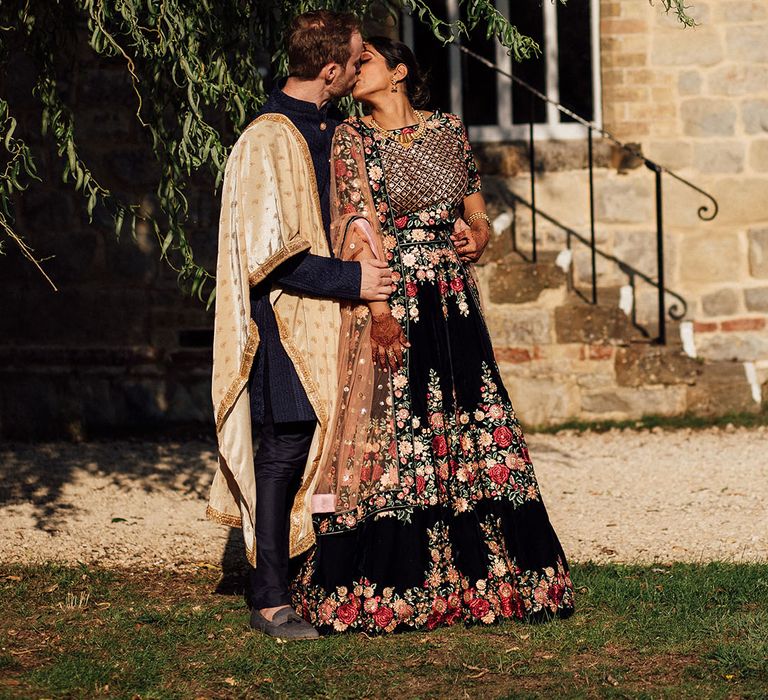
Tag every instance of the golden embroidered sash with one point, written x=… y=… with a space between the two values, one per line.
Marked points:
x=270 y=211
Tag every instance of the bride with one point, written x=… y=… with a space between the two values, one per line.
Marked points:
x=427 y=510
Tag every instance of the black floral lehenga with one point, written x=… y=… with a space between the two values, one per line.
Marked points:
x=437 y=513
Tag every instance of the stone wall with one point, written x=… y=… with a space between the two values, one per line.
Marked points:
x=695 y=101
x=119 y=348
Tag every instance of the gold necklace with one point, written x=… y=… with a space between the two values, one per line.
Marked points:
x=405 y=140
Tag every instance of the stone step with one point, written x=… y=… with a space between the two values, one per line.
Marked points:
x=517 y=281
x=556 y=383
x=580 y=322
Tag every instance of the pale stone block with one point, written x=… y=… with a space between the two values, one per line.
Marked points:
x=719 y=157
x=606 y=271
x=758 y=155
x=635 y=402
x=564 y=192
x=510 y=326
x=747 y=43
x=738 y=79
x=623 y=199
x=541 y=401
x=689 y=83
x=637 y=249
x=723 y=302
x=710 y=256
x=671 y=154
x=740 y=11
x=741 y=199
x=756 y=299
x=758 y=252
x=681 y=203
x=687 y=48
x=708 y=117
x=754 y=115
x=741 y=347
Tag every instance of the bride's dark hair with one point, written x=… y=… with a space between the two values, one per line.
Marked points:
x=395 y=52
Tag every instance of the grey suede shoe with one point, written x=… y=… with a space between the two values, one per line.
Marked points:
x=285 y=625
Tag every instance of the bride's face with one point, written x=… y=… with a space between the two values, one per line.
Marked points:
x=374 y=77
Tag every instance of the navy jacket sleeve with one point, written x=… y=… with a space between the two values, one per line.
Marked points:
x=320 y=276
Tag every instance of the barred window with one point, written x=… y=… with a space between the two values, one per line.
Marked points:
x=492 y=106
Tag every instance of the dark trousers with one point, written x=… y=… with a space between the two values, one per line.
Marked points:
x=279 y=465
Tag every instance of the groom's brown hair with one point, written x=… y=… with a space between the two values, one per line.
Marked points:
x=318 y=38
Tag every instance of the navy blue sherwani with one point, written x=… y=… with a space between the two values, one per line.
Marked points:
x=279 y=404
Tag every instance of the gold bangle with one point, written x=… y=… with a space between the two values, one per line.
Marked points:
x=478 y=215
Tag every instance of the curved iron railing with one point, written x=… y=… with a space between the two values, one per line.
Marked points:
x=706 y=212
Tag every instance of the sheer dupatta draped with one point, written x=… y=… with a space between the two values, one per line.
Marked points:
x=360 y=457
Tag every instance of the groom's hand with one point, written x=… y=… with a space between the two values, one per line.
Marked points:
x=375 y=280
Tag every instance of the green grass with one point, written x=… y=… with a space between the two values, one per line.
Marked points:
x=682 y=631
x=685 y=420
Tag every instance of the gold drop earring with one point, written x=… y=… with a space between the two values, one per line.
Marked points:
x=394 y=85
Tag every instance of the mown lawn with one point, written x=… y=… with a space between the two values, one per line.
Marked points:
x=682 y=631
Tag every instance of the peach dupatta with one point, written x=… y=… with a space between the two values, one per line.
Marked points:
x=360 y=458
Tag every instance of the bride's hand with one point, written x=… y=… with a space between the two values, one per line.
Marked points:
x=387 y=341
x=470 y=242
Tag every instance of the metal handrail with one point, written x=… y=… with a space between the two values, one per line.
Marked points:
x=703 y=212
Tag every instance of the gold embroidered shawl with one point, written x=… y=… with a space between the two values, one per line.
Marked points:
x=270 y=211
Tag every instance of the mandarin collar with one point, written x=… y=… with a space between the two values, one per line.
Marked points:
x=291 y=104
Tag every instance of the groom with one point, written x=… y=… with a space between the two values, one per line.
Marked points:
x=277 y=321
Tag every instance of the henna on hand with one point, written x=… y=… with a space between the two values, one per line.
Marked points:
x=387 y=340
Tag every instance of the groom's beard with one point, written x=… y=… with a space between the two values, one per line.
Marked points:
x=341 y=87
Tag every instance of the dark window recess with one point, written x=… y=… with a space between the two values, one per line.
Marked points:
x=196 y=339
x=529 y=18
x=432 y=57
x=480 y=87
x=574 y=46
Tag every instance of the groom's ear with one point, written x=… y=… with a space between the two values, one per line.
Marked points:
x=330 y=72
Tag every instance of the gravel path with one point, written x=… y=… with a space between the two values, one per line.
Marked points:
x=628 y=496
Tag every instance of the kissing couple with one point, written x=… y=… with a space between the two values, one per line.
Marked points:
x=362 y=421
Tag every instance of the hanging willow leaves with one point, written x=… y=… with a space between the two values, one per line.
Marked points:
x=197 y=71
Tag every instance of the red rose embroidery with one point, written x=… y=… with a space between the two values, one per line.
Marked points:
x=457 y=284
x=383 y=616
x=340 y=168
x=411 y=289
x=556 y=592
x=502 y=436
x=401 y=221
x=347 y=613
x=434 y=620
x=479 y=607
x=499 y=473
x=349 y=209
x=443 y=286
x=420 y=484
x=451 y=615
x=439 y=446
x=507 y=608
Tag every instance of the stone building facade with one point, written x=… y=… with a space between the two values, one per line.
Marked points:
x=695 y=101
x=119 y=349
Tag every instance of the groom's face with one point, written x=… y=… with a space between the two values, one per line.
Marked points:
x=345 y=76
